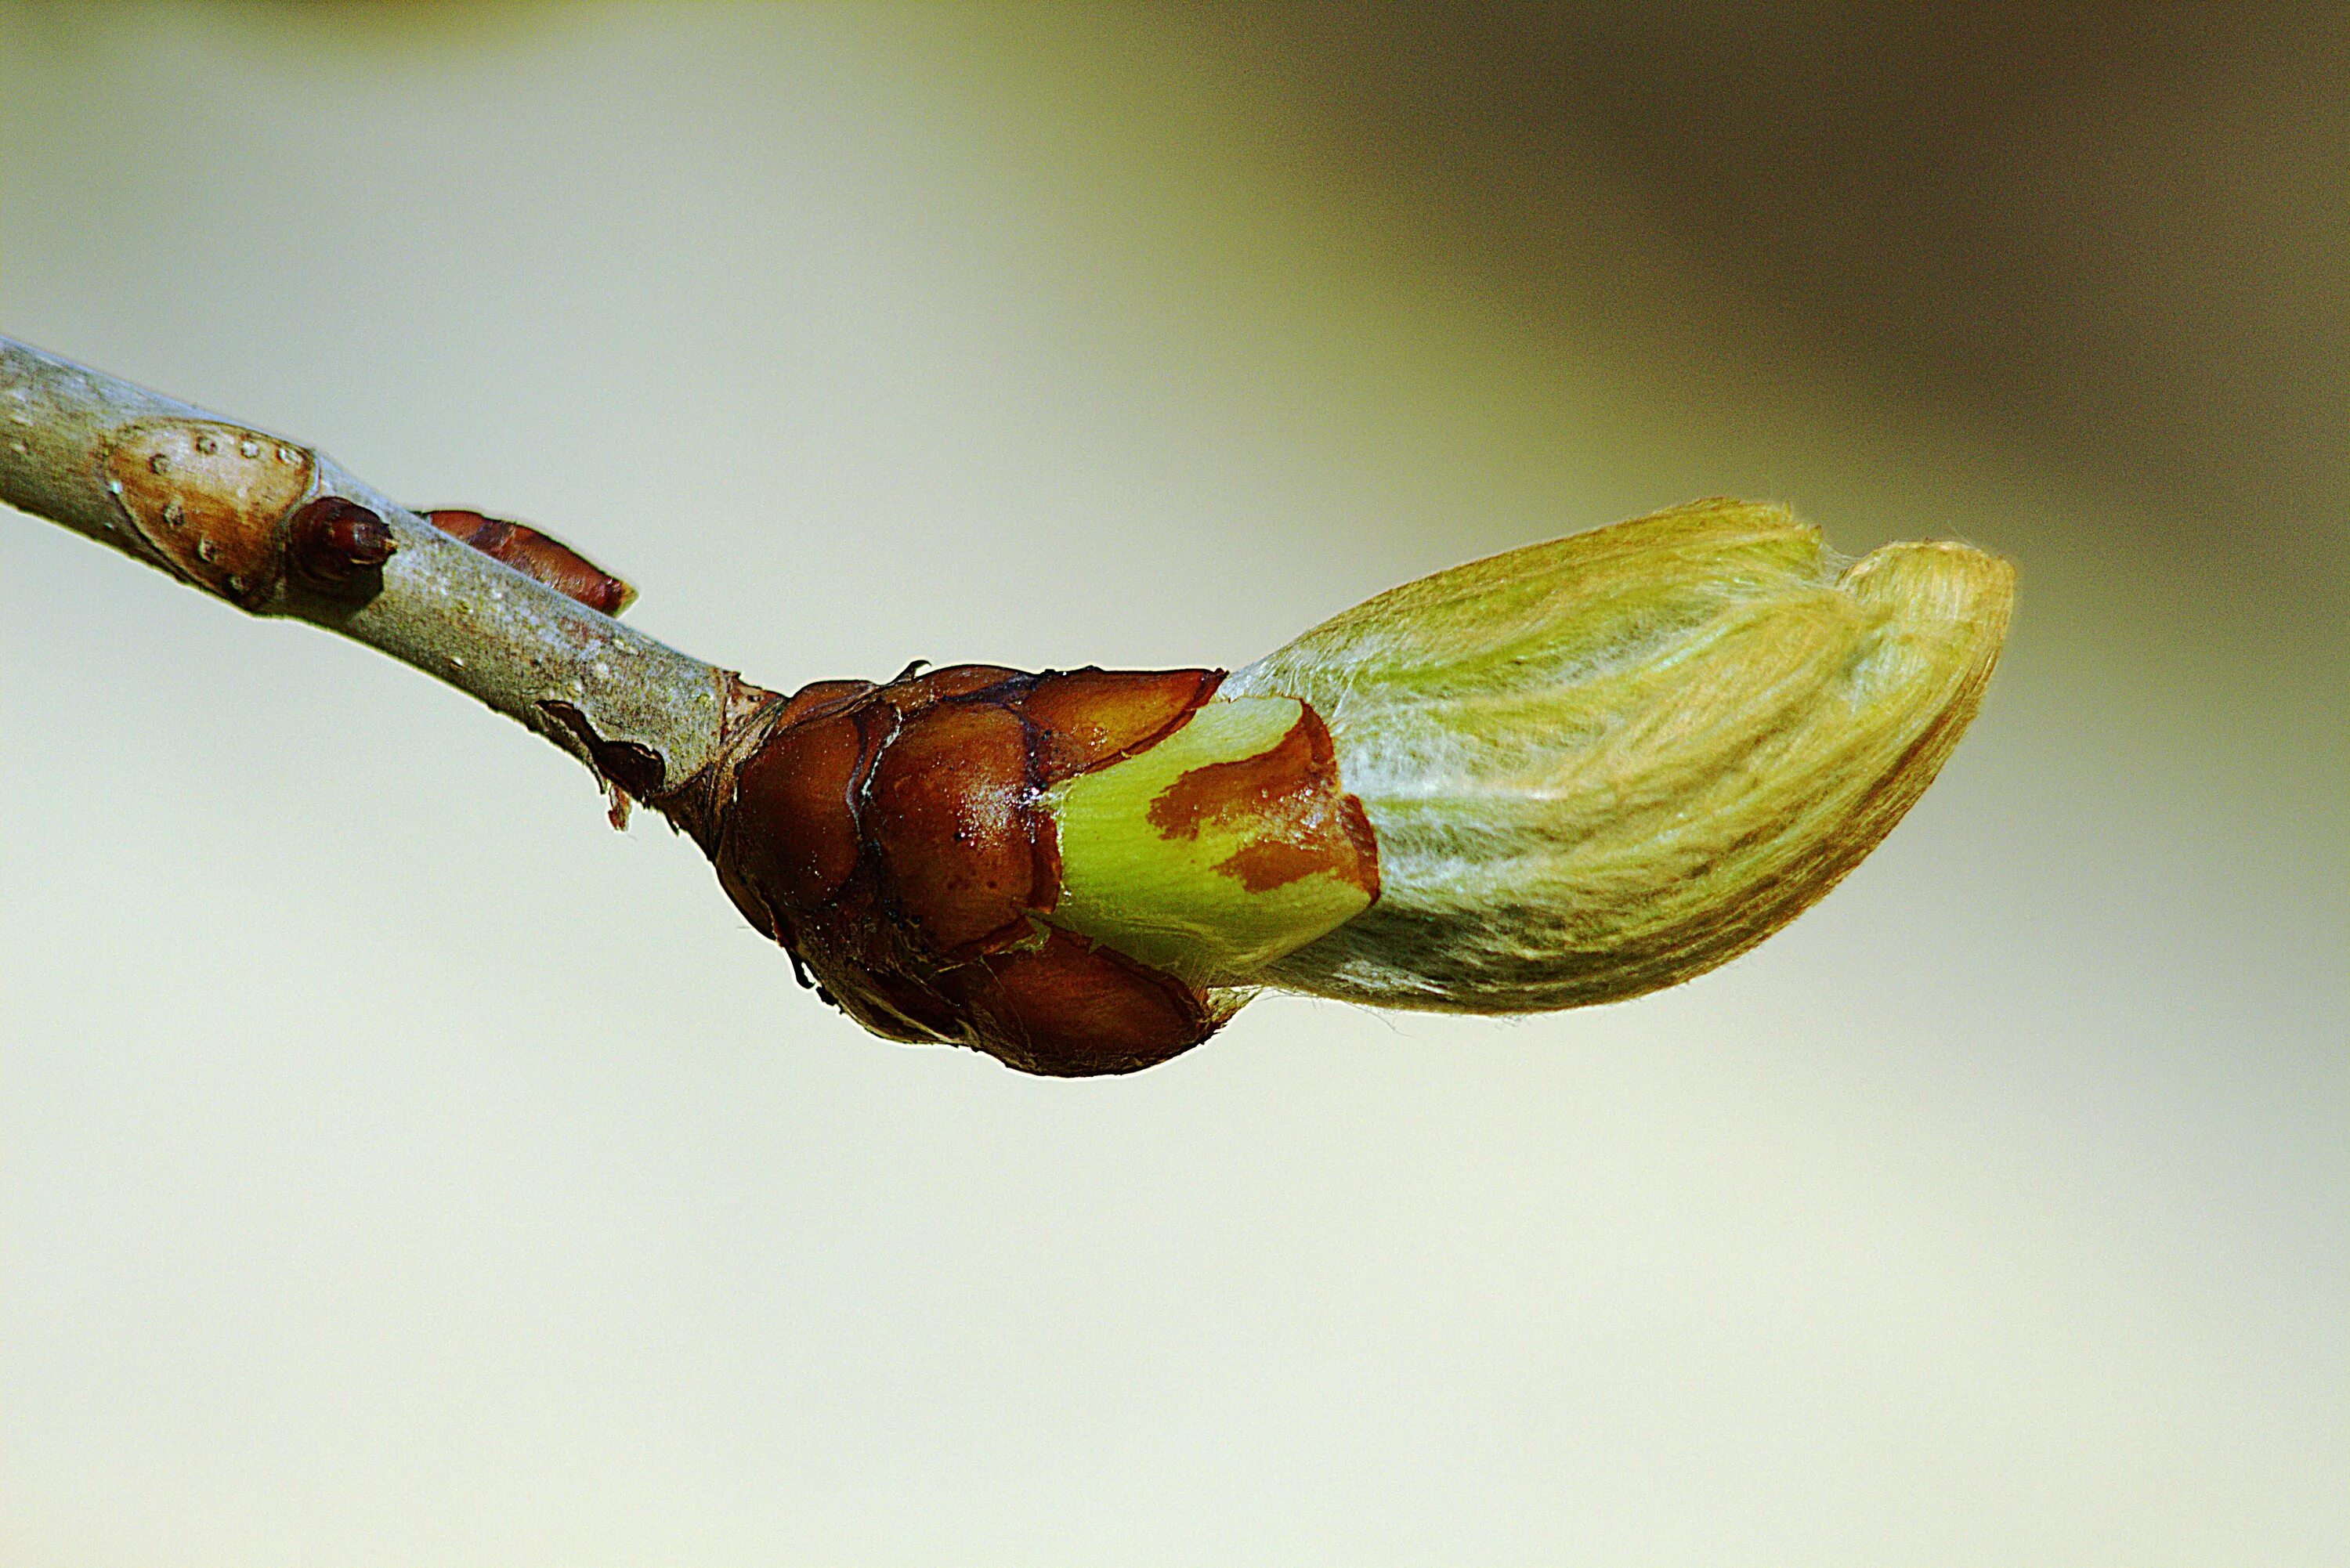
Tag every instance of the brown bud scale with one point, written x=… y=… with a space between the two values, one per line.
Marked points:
x=539 y=556
x=893 y=839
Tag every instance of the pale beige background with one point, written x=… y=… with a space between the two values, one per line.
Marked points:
x=401 y=1167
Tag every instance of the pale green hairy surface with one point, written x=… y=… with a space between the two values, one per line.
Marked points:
x=1167 y=900
x=1606 y=764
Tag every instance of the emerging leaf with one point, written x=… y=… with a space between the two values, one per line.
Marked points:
x=1607 y=764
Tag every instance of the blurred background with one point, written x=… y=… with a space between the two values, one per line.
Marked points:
x=398 y=1166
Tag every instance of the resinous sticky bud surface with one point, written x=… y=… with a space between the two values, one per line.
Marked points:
x=898 y=840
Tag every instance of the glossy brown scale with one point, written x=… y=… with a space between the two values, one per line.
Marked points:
x=539 y=556
x=892 y=837
x=1087 y=719
x=953 y=818
x=1070 y=1009
x=809 y=784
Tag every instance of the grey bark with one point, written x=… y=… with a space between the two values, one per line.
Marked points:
x=452 y=611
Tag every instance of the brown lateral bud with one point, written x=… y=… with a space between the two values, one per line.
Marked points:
x=539 y=556
x=896 y=839
x=338 y=545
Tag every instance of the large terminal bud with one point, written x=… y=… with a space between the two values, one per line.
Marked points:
x=1567 y=774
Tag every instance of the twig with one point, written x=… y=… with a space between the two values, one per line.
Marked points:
x=274 y=526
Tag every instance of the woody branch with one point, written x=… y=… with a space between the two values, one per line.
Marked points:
x=276 y=528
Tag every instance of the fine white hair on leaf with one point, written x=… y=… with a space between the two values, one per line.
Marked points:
x=1606 y=764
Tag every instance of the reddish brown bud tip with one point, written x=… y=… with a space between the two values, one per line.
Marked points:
x=1089 y=718
x=539 y=556
x=337 y=545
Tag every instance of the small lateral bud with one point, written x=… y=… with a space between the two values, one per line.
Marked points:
x=337 y=545
x=538 y=555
